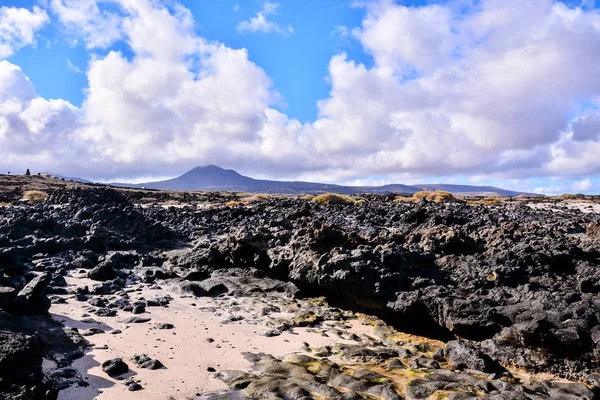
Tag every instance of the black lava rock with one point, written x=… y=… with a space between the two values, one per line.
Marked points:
x=115 y=367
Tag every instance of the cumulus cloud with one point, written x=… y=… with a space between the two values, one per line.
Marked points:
x=74 y=68
x=179 y=101
x=582 y=186
x=18 y=27
x=261 y=23
x=35 y=131
x=586 y=126
x=489 y=90
x=89 y=20
x=502 y=89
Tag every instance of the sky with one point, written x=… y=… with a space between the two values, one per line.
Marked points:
x=487 y=92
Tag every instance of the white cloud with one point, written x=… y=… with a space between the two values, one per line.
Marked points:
x=401 y=37
x=341 y=32
x=73 y=67
x=35 y=132
x=586 y=126
x=583 y=186
x=90 y=21
x=18 y=27
x=180 y=100
x=490 y=91
x=368 y=182
x=261 y=23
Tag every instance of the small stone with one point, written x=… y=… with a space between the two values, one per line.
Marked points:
x=115 y=367
x=136 y=320
x=152 y=364
x=91 y=331
x=139 y=309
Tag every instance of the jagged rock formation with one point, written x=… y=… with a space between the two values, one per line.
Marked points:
x=519 y=284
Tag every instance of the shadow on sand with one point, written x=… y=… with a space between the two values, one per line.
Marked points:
x=96 y=381
x=80 y=325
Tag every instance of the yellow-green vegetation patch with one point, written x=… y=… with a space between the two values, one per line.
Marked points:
x=334 y=198
x=399 y=378
x=370 y=320
x=400 y=337
x=445 y=394
x=490 y=201
x=35 y=196
x=420 y=341
x=313 y=366
x=439 y=196
x=255 y=198
x=319 y=301
x=307 y=319
x=569 y=196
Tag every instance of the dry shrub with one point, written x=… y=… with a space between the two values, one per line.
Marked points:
x=233 y=203
x=334 y=198
x=255 y=198
x=439 y=196
x=569 y=196
x=35 y=196
x=593 y=230
x=404 y=199
x=490 y=201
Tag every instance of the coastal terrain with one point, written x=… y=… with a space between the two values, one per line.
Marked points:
x=127 y=293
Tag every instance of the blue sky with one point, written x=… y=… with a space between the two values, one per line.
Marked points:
x=297 y=63
x=482 y=91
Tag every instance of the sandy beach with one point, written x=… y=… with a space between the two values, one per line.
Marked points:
x=202 y=338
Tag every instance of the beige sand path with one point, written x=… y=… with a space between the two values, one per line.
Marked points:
x=184 y=350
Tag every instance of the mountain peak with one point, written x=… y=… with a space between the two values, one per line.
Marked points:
x=210 y=170
x=213 y=177
x=208 y=167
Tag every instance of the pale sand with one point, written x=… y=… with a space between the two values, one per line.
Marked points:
x=184 y=350
x=583 y=206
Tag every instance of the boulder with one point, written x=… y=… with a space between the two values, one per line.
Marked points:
x=115 y=367
x=32 y=298
x=102 y=272
x=464 y=355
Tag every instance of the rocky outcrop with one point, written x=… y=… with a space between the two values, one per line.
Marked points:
x=514 y=279
x=32 y=298
x=516 y=286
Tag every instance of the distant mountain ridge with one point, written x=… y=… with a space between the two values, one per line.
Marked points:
x=212 y=177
